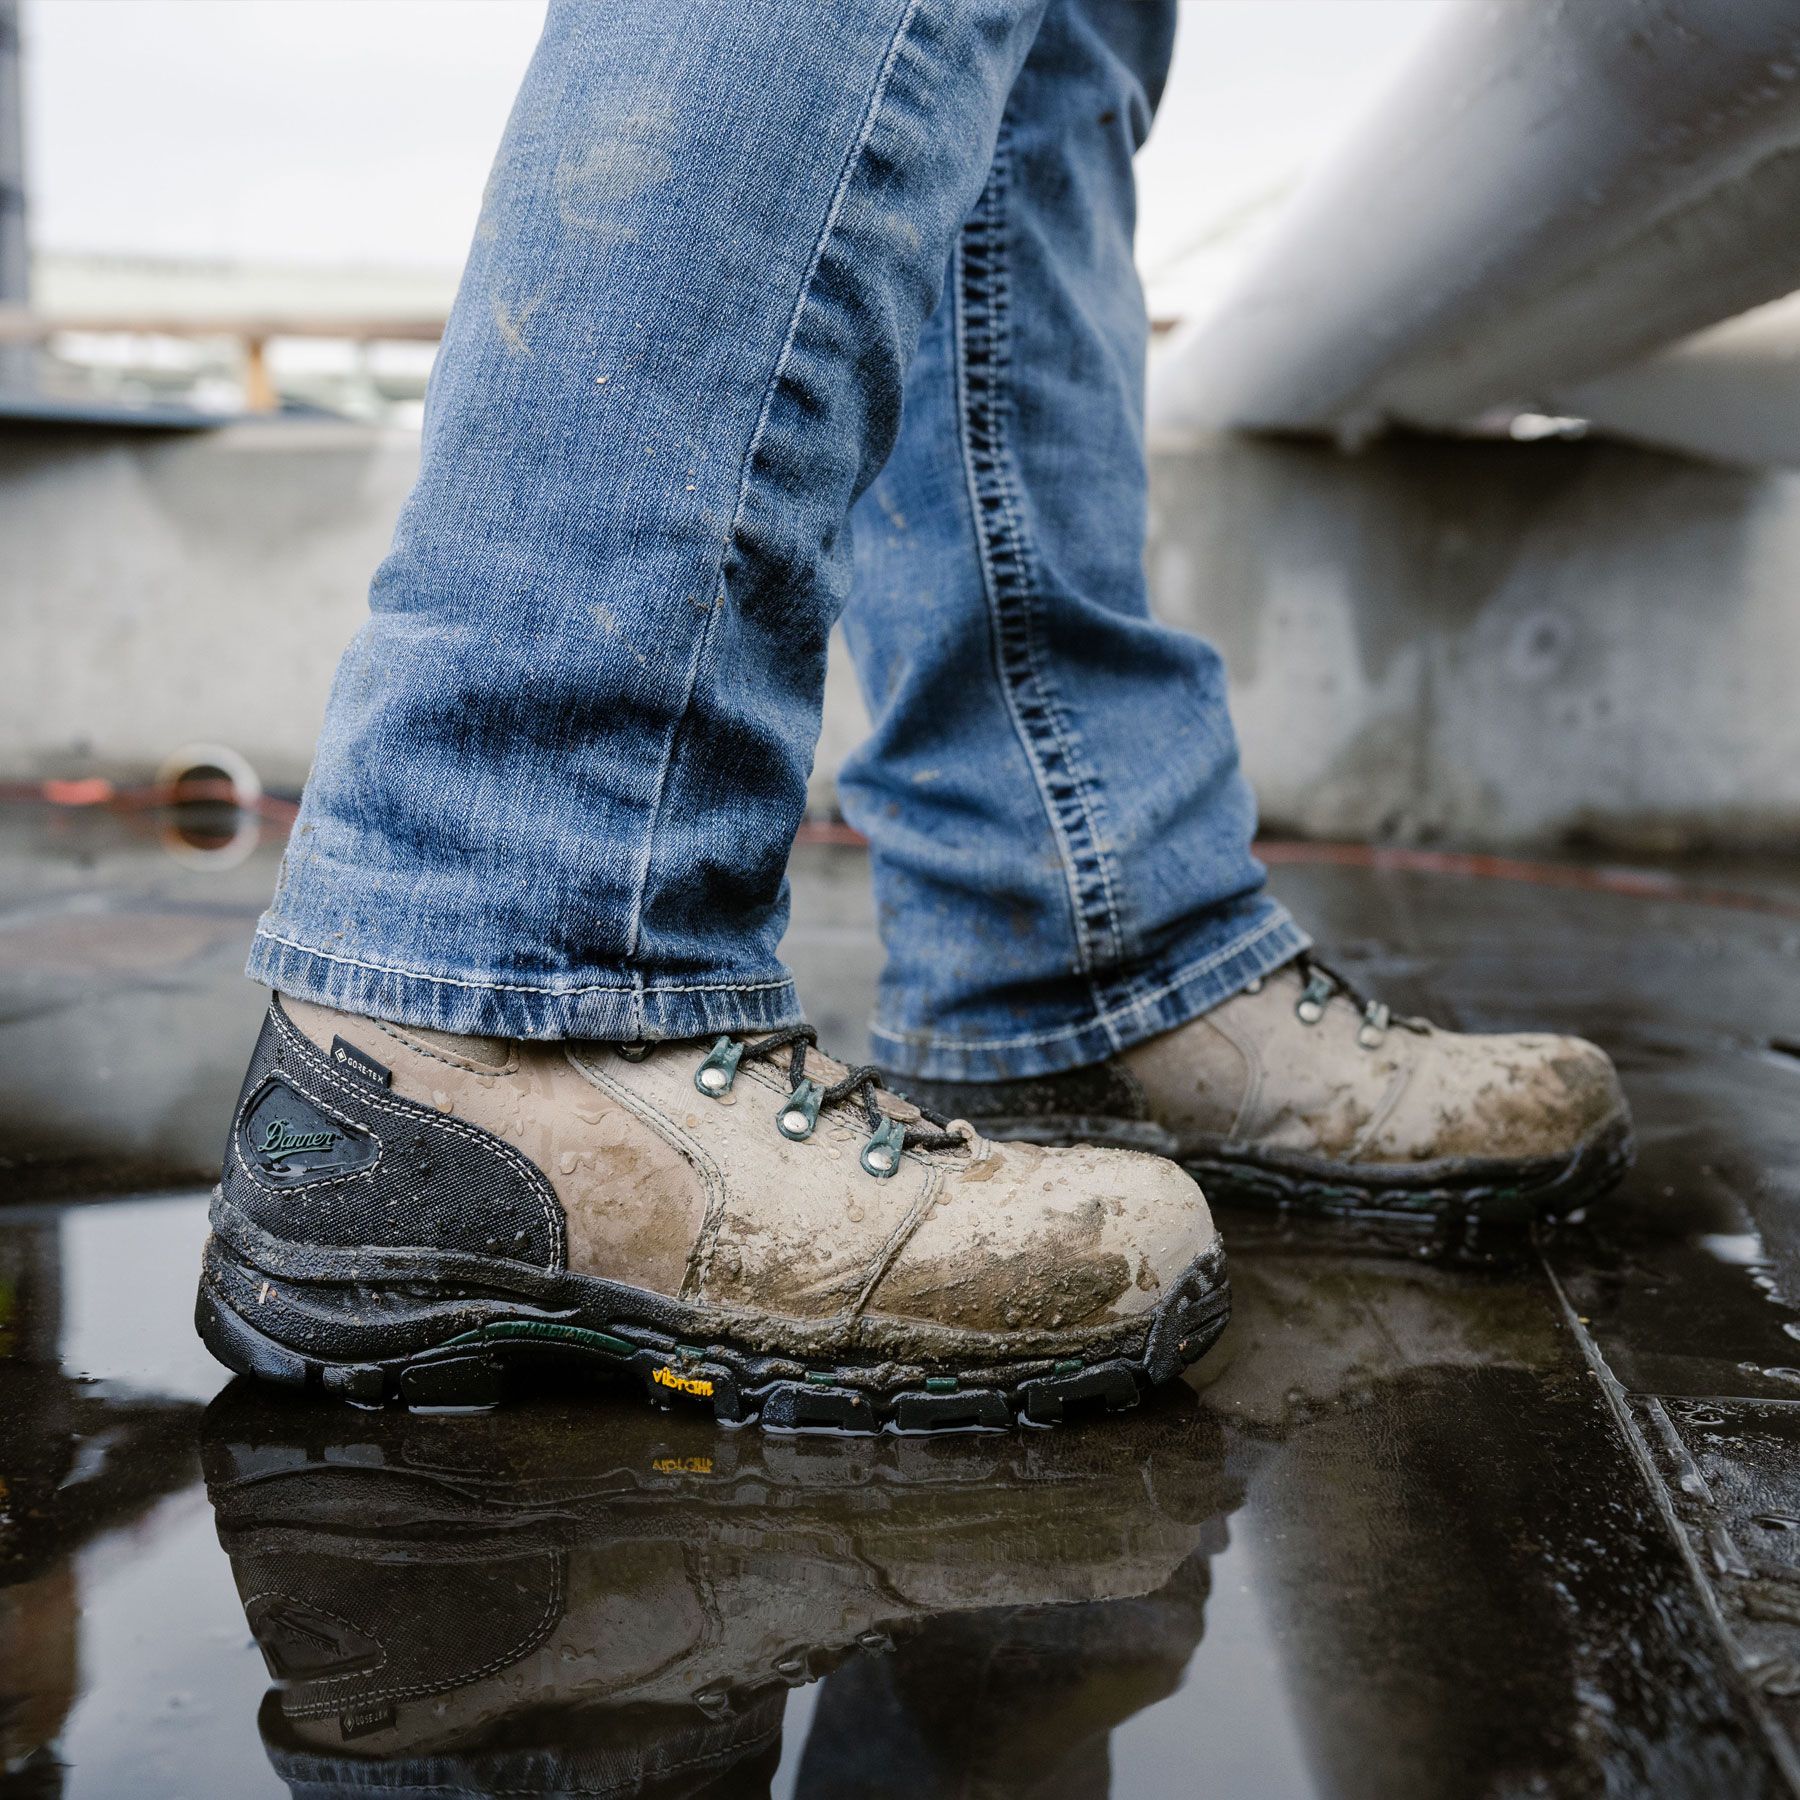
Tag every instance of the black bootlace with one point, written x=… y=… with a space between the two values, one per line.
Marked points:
x=857 y=1085
x=1327 y=984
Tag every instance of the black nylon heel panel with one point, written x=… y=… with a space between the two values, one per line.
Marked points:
x=317 y=1156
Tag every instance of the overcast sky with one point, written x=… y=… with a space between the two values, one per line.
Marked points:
x=359 y=131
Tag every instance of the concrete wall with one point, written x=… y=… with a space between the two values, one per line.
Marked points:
x=1503 y=644
x=161 y=588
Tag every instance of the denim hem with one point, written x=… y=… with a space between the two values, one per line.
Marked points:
x=1157 y=999
x=623 y=1009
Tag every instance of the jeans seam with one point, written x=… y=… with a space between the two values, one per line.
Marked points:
x=981 y=298
x=635 y=986
x=1104 y=1019
x=852 y=160
x=670 y=743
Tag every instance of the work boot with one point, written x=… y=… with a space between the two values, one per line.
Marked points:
x=1299 y=1091
x=741 y=1224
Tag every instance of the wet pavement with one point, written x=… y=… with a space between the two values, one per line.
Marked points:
x=1513 y=1523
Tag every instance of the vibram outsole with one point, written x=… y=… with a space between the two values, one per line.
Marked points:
x=1469 y=1192
x=406 y=1344
x=1447 y=1201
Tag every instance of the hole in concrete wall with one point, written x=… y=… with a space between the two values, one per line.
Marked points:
x=211 y=793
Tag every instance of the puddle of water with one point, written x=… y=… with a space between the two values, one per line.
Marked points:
x=1741 y=1249
x=796 y=1727
x=1233 y=1702
x=171 y=1681
x=1274 y=1586
x=522 y=1593
x=128 y=1296
x=1393 y=1489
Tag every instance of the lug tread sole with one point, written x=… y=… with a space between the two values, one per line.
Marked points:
x=498 y=1359
x=1485 y=1198
x=1485 y=1193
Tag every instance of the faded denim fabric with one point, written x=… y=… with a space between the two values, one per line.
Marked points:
x=565 y=759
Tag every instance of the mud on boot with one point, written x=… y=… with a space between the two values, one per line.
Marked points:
x=741 y=1225
x=1302 y=1093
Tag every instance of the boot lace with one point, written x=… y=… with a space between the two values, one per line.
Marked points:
x=1323 y=984
x=807 y=1098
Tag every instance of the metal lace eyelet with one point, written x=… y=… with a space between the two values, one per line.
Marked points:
x=881 y=1154
x=716 y=1074
x=1374 y=1026
x=800 y=1111
x=634 y=1052
x=1254 y=986
x=1310 y=1007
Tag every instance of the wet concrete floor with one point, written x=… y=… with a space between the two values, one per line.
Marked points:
x=1518 y=1522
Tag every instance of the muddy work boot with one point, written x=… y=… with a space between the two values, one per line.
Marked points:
x=744 y=1226
x=1299 y=1091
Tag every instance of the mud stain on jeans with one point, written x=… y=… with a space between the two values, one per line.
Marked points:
x=592 y=185
x=510 y=322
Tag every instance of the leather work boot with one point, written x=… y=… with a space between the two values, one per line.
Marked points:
x=746 y=1225
x=1298 y=1091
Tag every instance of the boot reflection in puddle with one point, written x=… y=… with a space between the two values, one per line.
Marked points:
x=546 y=1601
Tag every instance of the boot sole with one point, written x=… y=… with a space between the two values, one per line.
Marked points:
x=1453 y=1192
x=445 y=1332
x=1487 y=1192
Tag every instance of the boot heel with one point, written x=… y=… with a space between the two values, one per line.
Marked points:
x=241 y=1347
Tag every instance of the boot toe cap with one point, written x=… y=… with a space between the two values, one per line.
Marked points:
x=1513 y=1098
x=1044 y=1240
x=1590 y=1094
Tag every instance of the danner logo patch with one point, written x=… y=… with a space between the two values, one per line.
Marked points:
x=282 y=1141
x=290 y=1138
x=300 y=1643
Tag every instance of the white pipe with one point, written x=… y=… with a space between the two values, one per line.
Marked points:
x=1553 y=187
x=1732 y=393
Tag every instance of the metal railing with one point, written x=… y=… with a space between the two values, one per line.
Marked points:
x=252 y=332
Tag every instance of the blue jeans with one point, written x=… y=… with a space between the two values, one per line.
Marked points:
x=778 y=312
